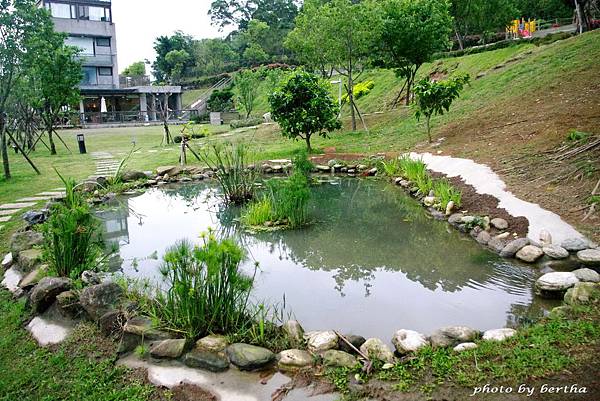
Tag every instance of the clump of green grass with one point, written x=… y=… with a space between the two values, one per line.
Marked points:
x=391 y=168
x=72 y=241
x=446 y=193
x=413 y=170
x=258 y=212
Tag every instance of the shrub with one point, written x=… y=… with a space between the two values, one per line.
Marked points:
x=230 y=163
x=412 y=169
x=248 y=122
x=198 y=135
x=361 y=89
x=302 y=164
x=71 y=236
x=207 y=292
x=391 y=168
x=220 y=100
x=446 y=193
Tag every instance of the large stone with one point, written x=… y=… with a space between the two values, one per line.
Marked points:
x=294 y=359
x=575 y=244
x=455 y=218
x=529 y=253
x=545 y=238
x=201 y=359
x=101 y=298
x=34 y=217
x=44 y=294
x=212 y=343
x=554 y=284
x=341 y=359
x=143 y=327
x=23 y=240
x=581 y=293
x=499 y=223
x=68 y=303
x=483 y=237
x=452 y=335
x=511 y=249
x=589 y=256
x=133 y=175
x=111 y=323
x=29 y=259
x=33 y=277
x=170 y=349
x=498 y=334
x=407 y=341
x=7 y=261
x=294 y=332
x=249 y=357
x=353 y=339
x=496 y=244
x=170 y=170
x=321 y=341
x=464 y=347
x=377 y=349
x=587 y=275
x=555 y=251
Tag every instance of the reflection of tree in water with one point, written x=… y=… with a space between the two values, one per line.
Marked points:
x=364 y=226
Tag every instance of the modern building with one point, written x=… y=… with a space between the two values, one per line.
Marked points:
x=89 y=26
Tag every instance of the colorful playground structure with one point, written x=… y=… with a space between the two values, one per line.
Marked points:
x=521 y=28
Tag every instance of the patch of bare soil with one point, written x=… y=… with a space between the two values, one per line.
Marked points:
x=189 y=392
x=520 y=140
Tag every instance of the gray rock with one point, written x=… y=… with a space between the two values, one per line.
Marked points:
x=111 y=323
x=511 y=249
x=101 y=298
x=170 y=170
x=44 y=294
x=200 y=359
x=321 y=341
x=499 y=223
x=7 y=261
x=529 y=253
x=372 y=171
x=249 y=357
x=91 y=278
x=375 y=348
x=212 y=343
x=581 y=293
x=323 y=169
x=452 y=335
x=34 y=217
x=483 y=238
x=33 y=277
x=555 y=251
x=496 y=244
x=355 y=340
x=294 y=359
x=464 y=347
x=171 y=349
x=467 y=219
x=587 y=275
x=341 y=359
x=498 y=334
x=554 y=284
x=29 y=259
x=294 y=332
x=575 y=244
x=407 y=341
x=142 y=326
x=589 y=256
x=132 y=175
x=545 y=238
x=449 y=207
x=429 y=200
x=455 y=218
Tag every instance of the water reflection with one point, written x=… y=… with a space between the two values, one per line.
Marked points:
x=372 y=262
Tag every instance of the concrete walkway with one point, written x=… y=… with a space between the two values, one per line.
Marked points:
x=106 y=165
x=9 y=210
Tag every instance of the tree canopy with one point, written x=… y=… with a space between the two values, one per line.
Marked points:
x=164 y=67
x=137 y=69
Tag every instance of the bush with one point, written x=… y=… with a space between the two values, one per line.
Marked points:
x=207 y=292
x=249 y=122
x=71 y=236
x=446 y=193
x=220 y=100
x=361 y=89
x=198 y=135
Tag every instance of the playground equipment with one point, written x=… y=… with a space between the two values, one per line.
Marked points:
x=521 y=28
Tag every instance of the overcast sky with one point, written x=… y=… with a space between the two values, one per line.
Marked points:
x=139 y=22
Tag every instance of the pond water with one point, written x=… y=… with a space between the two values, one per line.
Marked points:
x=372 y=262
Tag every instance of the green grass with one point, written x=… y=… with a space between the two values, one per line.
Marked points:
x=81 y=369
x=258 y=212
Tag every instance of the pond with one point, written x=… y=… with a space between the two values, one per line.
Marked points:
x=372 y=262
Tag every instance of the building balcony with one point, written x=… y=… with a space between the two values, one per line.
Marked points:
x=99 y=60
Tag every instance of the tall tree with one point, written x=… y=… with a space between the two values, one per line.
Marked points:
x=163 y=45
x=246 y=85
x=345 y=32
x=214 y=56
x=238 y=13
x=21 y=22
x=413 y=30
x=137 y=69
x=481 y=16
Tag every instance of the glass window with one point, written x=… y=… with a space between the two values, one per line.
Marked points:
x=85 y=44
x=60 y=10
x=94 y=13
x=104 y=42
x=90 y=76
x=105 y=71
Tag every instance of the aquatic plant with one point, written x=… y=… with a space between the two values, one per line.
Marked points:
x=258 y=212
x=208 y=293
x=301 y=163
x=231 y=164
x=72 y=242
x=413 y=170
x=446 y=193
x=391 y=168
x=289 y=199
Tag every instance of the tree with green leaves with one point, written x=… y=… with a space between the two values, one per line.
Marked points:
x=177 y=60
x=214 y=56
x=303 y=106
x=246 y=85
x=22 y=24
x=343 y=33
x=162 y=67
x=239 y=13
x=436 y=97
x=137 y=69
x=412 y=31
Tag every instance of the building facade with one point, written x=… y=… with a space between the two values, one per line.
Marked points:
x=90 y=27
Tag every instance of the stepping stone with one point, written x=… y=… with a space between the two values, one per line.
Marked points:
x=4 y=219
x=16 y=205
x=52 y=193
x=35 y=199
x=8 y=212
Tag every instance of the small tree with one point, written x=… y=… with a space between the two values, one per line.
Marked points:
x=435 y=98
x=137 y=69
x=303 y=106
x=246 y=85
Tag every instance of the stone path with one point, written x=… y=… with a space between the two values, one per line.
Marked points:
x=106 y=165
x=8 y=210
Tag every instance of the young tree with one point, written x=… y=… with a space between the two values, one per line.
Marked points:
x=246 y=85
x=435 y=98
x=413 y=30
x=303 y=106
x=345 y=32
x=137 y=69
x=21 y=22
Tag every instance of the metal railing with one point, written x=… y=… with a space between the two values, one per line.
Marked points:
x=125 y=117
x=128 y=82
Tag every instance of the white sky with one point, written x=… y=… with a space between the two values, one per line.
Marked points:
x=139 y=22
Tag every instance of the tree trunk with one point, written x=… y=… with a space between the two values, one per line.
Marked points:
x=459 y=39
x=351 y=99
x=308 y=147
x=4 y=147
x=409 y=82
x=167 y=138
x=50 y=138
x=428 y=126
